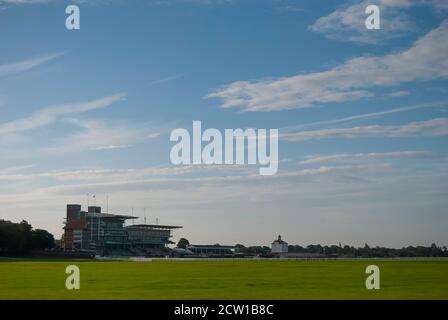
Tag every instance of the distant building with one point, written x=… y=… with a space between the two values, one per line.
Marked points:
x=279 y=247
x=106 y=233
x=149 y=238
x=215 y=250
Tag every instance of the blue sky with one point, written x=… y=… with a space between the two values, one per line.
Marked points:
x=362 y=116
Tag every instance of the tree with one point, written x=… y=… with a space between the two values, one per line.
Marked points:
x=15 y=237
x=42 y=239
x=183 y=243
x=239 y=248
x=18 y=239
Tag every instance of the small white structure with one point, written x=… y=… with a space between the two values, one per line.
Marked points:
x=279 y=246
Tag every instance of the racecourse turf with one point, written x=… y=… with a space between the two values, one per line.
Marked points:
x=208 y=279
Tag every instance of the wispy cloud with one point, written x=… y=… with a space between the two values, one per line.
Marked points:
x=365 y=116
x=192 y=2
x=49 y=115
x=25 y=65
x=401 y=93
x=348 y=22
x=107 y=175
x=289 y=6
x=107 y=2
x=112 y=147
x=37 y=2
x=24 y=2
x=425 y=60
x=372 y=156
x=9 y=170
x=429 y=128
x=166 y=79
x=169 y=177
x=100 y=135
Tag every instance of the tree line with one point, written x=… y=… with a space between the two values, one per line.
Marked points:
x=342 y=251
x=17 y=239
x=351 y=251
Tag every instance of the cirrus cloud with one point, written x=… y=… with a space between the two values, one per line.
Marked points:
x=428 y=128
x=425 y=60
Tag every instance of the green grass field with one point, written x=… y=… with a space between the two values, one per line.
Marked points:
x=264 y=279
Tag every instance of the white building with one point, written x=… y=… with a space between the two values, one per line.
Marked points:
x=279 y=246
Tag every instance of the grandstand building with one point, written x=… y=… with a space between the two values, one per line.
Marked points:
x=149 y=238
x=107 y=234
x=215 y=250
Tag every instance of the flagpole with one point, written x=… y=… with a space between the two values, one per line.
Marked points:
x=91 y=219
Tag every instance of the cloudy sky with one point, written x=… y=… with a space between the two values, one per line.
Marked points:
x=362 y=116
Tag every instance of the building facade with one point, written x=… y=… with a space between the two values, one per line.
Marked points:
x=279 y=247
x=215 y=250
x=145 y=238
x=107 y=234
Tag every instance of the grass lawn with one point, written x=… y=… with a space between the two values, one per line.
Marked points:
x=264 y=279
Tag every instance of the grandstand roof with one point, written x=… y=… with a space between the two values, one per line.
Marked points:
x=153 y=226
x=103 y=215
x=210 y=246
